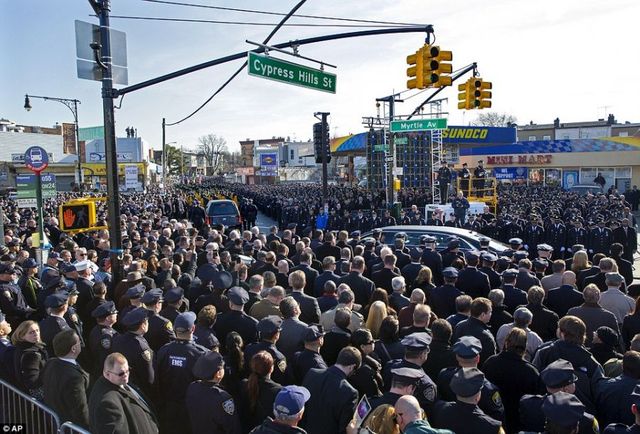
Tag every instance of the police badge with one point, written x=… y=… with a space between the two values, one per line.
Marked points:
x=106 y=343
x=229 y=407
x=282 y=365
x=146 y=354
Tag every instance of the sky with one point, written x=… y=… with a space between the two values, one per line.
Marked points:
x=572 y=59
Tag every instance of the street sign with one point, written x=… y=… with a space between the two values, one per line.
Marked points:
x=49 y=189
x=36 y=159
x=31 y=202
x=380 y=148
x=86 y=65
x=398 y=171
x=418 y=125
x=26 y=186
x=291 y=73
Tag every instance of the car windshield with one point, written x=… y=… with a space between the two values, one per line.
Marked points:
x=222 y=208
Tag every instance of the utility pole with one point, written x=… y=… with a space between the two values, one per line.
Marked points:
x=391 y=153
x=325 y=143
x=164 y=155
x=102 y=9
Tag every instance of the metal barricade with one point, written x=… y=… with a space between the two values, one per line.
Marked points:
x=71 y=428
x=19 y=408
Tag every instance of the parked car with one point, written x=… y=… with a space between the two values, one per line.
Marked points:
x=225 y=212
x=469 y=240
x=584 y=189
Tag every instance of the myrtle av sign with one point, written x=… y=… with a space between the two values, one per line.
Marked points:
x=291 y=73
x=418 y=125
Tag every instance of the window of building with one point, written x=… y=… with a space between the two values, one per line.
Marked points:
x=546 y=137
x=552 y=177
x=532 y=138
x=536 y=176
x=623 y=134
x=565 y=137
x=292 y=155
x=623 y=172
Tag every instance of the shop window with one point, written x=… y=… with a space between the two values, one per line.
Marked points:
x=623 y=134
x=532 y=138
x=552 y=177
x=623 y=172
x=536 y=176
x=546 y=137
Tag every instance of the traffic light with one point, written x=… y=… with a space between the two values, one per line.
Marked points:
x=319 y=141
x=481 y=93
x=77 y=216
x=416 y=71
x=436 y=68
x=464 y=95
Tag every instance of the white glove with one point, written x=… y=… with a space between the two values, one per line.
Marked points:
x=562 y=249
x=526 y=247
x=590 y=251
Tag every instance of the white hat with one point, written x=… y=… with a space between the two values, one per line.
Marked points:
x=81 y=265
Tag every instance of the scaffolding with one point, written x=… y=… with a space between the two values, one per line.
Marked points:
x=480 y=190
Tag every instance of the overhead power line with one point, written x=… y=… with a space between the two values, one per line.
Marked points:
x=260 y=12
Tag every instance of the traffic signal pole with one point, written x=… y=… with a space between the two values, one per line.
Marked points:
x=391 y=154
x=324 y=157
x=102 y=9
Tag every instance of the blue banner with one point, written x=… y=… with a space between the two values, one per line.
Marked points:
x=479 y=135
x=510 y=172
x=268 y=160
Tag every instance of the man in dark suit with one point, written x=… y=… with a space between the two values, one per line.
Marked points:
x=65 y=382
x=328 y=248
x=412 y=269
x=606 y=266
x=329 y=266
x=432 y=259
x=402 y=256
x=116 y=404
x=382 y=279
x=309 y=309
x=361 y=286
x=333 y=400
x=625 y=268
x=443 y=298
x=600 y=238
x=472 y=281
x=309 y=273
x=563 y=298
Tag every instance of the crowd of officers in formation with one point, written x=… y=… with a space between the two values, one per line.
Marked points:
x=544 y=337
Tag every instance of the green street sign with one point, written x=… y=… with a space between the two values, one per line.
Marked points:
x=26 y=186
x=380 y=148
x=418 y=125
x=291 y=73
x=49 y=189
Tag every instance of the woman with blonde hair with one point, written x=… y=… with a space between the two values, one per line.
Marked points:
x=382 y=420
x=580 y=261
x=377 y=313
x=29 y=358
x=424 y=281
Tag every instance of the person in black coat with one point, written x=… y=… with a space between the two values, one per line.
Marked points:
x=367 y=379
x=115 y=405
x=65 y=383
x=443 y=298
x=441 y=355
x=338 y=337
x=476 y=326
x=327 y=248
x=361 y=286
x=499 y=315
x=160 y=329
x=310 y=274
x=631 y=325
x=211 y=408
x=566 y=296
x=29 y=358
x=309 y=358
x=472 y=281
x=258 y=392
x=236 y=320
x=383 y=277
x=431 y=258
x=309 y=309
x=54 y=322
x=545 y=321
x=513 y=376
x=513 y=296
x=333 y=400
x=329 y=266
x=101 y=337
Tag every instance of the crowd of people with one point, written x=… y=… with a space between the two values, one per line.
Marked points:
x=288 y=330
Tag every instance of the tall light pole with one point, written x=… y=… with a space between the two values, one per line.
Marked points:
x=72 y=104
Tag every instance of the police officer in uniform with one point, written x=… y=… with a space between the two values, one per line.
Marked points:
x=444 y=179
x=269 y=331
x=310 y=357
x=467 y=350
x=236 y=320
x=488 y=262
x=464 y=416
x=136 y=349
x=556 y=236
x=431 y=258
x=134 y=295
x=211 y=409
x=563 y=412
x=620 y=428
x=478 y=183
x=464 y=176
x=416 y=351
x=160 y=329
x=173 y=304
x=102 y=335
x=54 y=323
x=559 y=376
x=533 y=234
x=12 y=302
x=174 y=364
x=403 y=382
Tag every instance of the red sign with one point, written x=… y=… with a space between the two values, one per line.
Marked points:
x=505 y=160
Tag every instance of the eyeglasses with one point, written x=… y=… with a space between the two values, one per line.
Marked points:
x=120 y=374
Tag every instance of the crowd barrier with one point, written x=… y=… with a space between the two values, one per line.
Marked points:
x=21 y=413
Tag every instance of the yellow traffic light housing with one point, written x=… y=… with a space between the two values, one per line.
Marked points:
x=396 y=184
x=481 y=93
x=415 y=70
x=436 y=66
x=464 y=95
x=79 y=215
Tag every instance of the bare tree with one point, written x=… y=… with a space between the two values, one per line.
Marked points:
x=212 y=147
x=493 y=119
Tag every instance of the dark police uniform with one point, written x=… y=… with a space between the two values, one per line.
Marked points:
x=444 y=179
x=239 y=322
x=174 y=363
x=51 y=326
x=160 y=331
x=532 y=417
x=490 y=400
x=211 y=409
x=280 y=373
x=303 y=361
x=100 y=341
x=478 y=183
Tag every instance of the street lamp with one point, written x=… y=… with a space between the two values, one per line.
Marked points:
x=72 y=104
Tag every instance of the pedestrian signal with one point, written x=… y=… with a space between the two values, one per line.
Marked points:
x=77 y=216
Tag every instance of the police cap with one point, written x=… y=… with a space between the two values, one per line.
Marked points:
x=544 y=248
x=105 y=309
x=135 y=316
x=520 y=254
x=467 y=382
x=453 y=243
x=55 y=282
x=428 y=239
x=450 y=272
x=608 y=336
x=81 y=265
x=563 y=409
x=407 y=375
x=402 y=235
x=377 y=231
x=510 y=273
x=417 y=341
x=355 y=234
x=269 y=325
x=69 y=268
x=489 y=257
x=369 y=242
x=207 y=365
x=577 y=247
x=467 y=347
x=29 y=263
x=152 y=296
x=238 y=296
x=540 y=263
x=56 y=300
x=135 y=291
x=184 y=321
x=173 y=295
x=292 y=225
x=313 y=333
x=484 y=240
x=471 y=255
x=558 y=374
x=515 y=241
x=615 y=278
